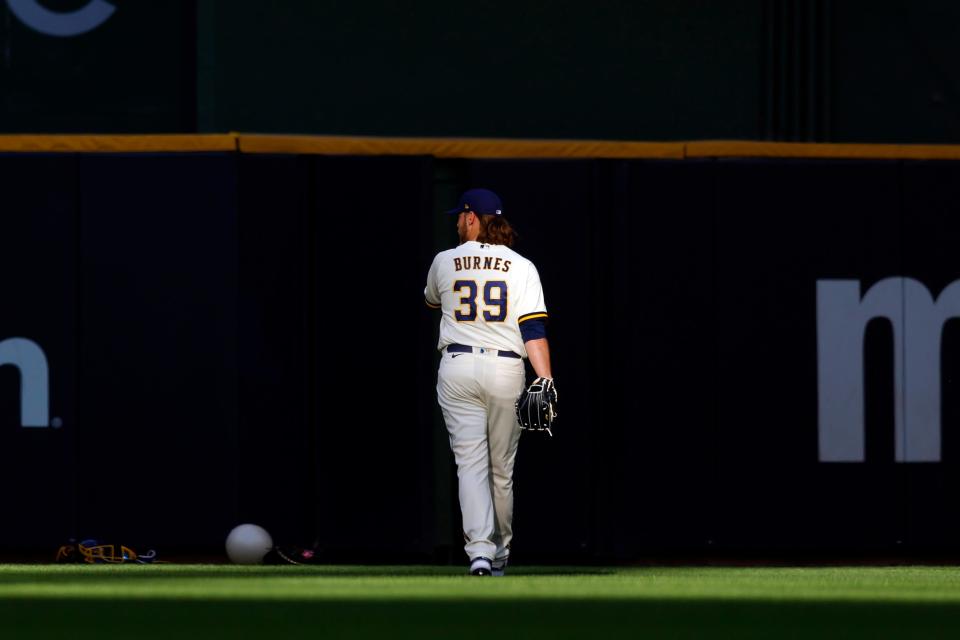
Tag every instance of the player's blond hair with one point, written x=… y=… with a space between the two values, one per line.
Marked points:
x=495 y=229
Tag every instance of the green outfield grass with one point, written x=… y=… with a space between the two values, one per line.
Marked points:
x=224 y=601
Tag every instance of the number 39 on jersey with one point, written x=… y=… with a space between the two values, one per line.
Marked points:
x=494 y=300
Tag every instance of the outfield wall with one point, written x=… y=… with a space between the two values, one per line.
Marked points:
x=819 y=70
x=237 y=334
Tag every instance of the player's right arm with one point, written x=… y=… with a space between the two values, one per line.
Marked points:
x=431 y=293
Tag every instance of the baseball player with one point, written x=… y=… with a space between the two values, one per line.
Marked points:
x=493 y=316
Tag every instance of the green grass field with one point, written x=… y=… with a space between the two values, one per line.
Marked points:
x=225 y=601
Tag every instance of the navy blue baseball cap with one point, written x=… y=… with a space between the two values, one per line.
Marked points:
x=482 y=201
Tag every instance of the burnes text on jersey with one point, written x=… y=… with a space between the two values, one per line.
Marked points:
x=478 y=262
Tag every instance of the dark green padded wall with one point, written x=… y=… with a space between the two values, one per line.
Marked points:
x=795 y=70
x=615 y=69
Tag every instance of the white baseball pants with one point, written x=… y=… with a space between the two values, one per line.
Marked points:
x=477 y=393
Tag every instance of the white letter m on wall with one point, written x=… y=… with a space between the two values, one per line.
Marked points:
x=918 y=321
x=28 y=357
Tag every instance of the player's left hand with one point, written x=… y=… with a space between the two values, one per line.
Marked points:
x=537 y=406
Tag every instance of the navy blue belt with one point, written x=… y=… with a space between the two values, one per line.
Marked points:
x=460 y=348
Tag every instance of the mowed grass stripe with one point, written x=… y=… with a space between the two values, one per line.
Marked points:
x=436 y=584
x=211 y=602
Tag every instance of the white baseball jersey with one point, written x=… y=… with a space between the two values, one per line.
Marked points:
x=485 y=291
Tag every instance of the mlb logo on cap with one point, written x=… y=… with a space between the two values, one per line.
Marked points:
x=481 y=201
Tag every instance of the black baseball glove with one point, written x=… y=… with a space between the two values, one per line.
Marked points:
x=537 y=406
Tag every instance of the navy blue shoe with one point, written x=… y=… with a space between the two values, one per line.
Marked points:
x=481 y=567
